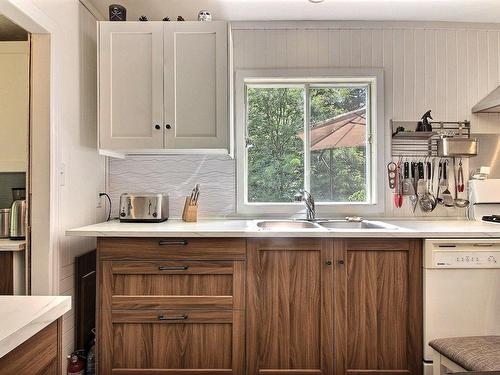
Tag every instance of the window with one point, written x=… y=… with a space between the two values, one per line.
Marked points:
x=316 y=134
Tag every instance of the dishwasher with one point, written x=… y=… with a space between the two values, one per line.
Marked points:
x=461 y=290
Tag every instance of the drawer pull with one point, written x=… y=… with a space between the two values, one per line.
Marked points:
x=173 y=268
x=173 y=242
x=180 y=317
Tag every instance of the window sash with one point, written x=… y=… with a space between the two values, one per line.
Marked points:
x=307 y=86
x=379 y=155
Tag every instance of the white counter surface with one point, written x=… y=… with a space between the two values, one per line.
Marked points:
x=247 y=228
x=12 y=245
x=21 y=317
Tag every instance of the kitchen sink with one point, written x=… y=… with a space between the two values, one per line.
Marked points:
x=330 y=225
x=286 y=224
x=345 y=224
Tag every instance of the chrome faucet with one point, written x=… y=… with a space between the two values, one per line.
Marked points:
x=307 y=198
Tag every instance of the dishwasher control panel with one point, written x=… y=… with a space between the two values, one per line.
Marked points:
x=479 y=253
x=466 y=259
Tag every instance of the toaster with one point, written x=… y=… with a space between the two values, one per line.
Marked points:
x=143 y=207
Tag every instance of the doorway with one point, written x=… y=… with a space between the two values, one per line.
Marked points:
x=14 y=158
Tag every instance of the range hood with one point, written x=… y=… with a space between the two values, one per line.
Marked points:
x=489 y=104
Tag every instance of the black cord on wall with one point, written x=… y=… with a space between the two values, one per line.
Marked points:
x=109 y=200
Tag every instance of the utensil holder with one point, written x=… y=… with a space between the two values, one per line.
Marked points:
x=190 y=211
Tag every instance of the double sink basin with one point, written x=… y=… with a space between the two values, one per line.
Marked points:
x=324 y=224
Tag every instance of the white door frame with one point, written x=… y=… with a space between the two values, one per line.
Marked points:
x=45 y=225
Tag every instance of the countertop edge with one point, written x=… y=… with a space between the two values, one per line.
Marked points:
x=277 y=234
x=54 y=311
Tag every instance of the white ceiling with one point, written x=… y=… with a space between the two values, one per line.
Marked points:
x=251 y=10
x=9 y=31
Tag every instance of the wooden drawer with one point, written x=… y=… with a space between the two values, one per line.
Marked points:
x=172 y=248
x=176 y=284
x=173 y=342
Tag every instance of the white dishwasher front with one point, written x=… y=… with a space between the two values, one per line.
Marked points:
x=461 y=290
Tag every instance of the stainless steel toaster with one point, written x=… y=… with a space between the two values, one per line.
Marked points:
x=143 y=207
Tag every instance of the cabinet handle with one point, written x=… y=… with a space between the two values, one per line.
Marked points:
x=173 y=242
x=340 y=262
x=180 y=317
x=168 y=126
x=173 y=268
x=157 y=127
x=328 y=263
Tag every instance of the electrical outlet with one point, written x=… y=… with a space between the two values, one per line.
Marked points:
x=99 y=199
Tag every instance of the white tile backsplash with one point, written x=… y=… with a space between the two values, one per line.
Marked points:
x=176 y=175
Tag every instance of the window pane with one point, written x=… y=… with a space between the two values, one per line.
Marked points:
x=338 y=144
x=275 y=149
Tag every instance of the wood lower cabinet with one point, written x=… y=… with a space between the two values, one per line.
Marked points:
x=378 y=307
x=171 y=306
x=265 y=306
x=290 y=306
x=39 y=355
x=334 y=307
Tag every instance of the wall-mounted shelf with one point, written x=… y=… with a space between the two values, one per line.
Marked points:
x=409 y=143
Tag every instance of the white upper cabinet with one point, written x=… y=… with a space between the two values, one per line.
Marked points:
x=131 y=85
x=163 y=86
x=196 y=85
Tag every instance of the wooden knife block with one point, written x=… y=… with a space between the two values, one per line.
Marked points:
x=190 y=212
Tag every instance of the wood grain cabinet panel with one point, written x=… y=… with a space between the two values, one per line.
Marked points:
x=295 y=307
x=289 y=310
x=39 y=355
x=171 y=248
x=378 y=307
x=174 y=340
x=174 y=307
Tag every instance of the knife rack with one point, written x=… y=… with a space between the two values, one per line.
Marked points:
x=190 y=211
x=424 y=144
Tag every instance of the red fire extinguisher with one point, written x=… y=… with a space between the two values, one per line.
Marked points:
x=76 y=365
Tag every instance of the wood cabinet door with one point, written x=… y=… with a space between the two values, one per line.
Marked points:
x=131 y=85
x=378 y=307
x=290 y=306
x=196 y=85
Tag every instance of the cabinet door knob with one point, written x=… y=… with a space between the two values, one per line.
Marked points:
x=341 y=261
x=157 y=127
x=168 y=126
x=328 y=263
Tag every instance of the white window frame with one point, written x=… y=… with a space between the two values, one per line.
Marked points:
x=375 y=116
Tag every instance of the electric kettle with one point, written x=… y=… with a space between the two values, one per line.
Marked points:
x=18 y=220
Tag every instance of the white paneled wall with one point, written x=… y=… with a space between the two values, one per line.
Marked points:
x=443 y=67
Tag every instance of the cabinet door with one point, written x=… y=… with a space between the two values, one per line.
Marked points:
x=131 y=85
x=290 y=306
x=378 y=307
x=196 y=85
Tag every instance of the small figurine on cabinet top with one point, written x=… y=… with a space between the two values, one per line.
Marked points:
x=166 y=19
x=117 y=13
x=204 y=15
x=180 y=18
x=143 y=18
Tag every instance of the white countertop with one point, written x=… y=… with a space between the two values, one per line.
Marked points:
x=12 y=245
x=21 y=317
x=247 y=228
